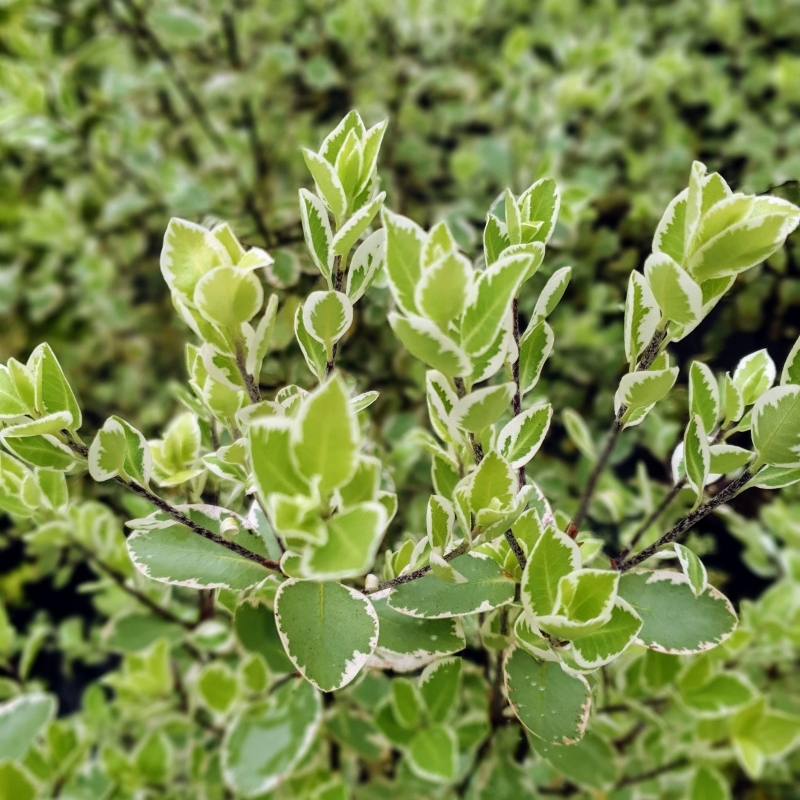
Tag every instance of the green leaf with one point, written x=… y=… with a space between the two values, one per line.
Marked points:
x=257 y=631
x=406 y=703
x=696 y=455
x=554 y=556
x=753 y=375
x=494 y=483
x=407 y=643
x=444 y=289
x=485 y=587
x=350 y=232
x=775 y=477
x=45 y=452
x=172 y=553
x=119 y=449
x=21 y=721
x=732 y=401
x=644 y=389
x=368 y=258
x=790 y=373
x=269 y=450
x=11 y=404
x=313 y=351
x=579 y=433
x=693 y=568
x=591 y=763
x=675 y=621
x=481 y=408
x=669 y=237
x=440 y=519
x=703 y=395
x=439 y=686
x=327 y=316
x=317 y=232
x=51 y=424
x=404 y=241
x=433 y=754
x=551 y=295
x=708 y=784
x=15 y=783
x=678 y=296
x=488 y=309
x=642 y=316
x=720 y=696
x=326 y=436
x=217 y=686
x=354 y=536
x=52 y=391
x=423 y=339
x=329 y=186
x=228 y=296
x=19 y=493
x=349 y=163
x=520 y=440
x=541 y=203
x=776 y=426
x=189 y=252
x=329 y=630
x=606 y=643
x=495 y=239
x=269 y=738
x=552 y=704
x=154 y=758
x=742 y=245
x=535 y=347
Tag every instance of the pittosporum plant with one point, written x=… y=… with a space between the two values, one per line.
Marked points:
x=280 y=512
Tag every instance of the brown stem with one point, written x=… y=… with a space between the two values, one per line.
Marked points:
x=645 y=362
x=178 y=516
x=678 y=763
x=516 y=407
x=253 y=391
x=664 y=504
x=730 y=491
x=422 y=571
x=338 y=282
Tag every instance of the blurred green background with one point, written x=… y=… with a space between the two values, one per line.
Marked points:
x=117 y=114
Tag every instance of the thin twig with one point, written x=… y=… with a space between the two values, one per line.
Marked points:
x=665 y=503
x=645 y=362
x=250 y=383
x=421 y=572
x=678 y=763
x=178 y=516
x=338 y=282
x=691 y=519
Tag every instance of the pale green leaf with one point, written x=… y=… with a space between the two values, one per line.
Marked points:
x=433 y=754
x=482 y=407
x=776 y=426
x=444 y=289
x=317 y=232
x=521 y=438
x=642 y=315
x=551 y=295
x=535 y=347
x=328 y=183
x=424 y=340
x=703 y=395
x=228 y=296
x=675 y=621
x=693 y=568
x=368 y=258
x=21 y=720
x=404 y=242
x=753 y=375
x=327 y=316
x=678 y=296
x=554 y=556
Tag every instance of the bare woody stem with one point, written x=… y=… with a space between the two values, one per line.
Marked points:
x=338 y=282
x=422 y=571
x=178 y=516
x=645 y=362
x=691 y=519
x=516 y=406
x=663 y=505
x=250 y=383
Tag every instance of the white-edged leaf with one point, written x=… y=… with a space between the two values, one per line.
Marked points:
x=444 y=289
x=327 y=316
x=328 y=184
x=791 y=367
x=753 y=375
x=329 y=630
x=521 y=438
x=776 y=426
x=482 y=407
x=317 y=232
x=404 y=243
x=678 y=296
x=425 y=341
x=696 y=455
x=703 y=395
x=554 y=556
x=368 y=258
x=551 y=295
x=535 y=347
x=642 y=316
x=349 y=233
x=693 y=568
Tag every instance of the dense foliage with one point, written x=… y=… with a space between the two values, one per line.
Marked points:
x=243 y=644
